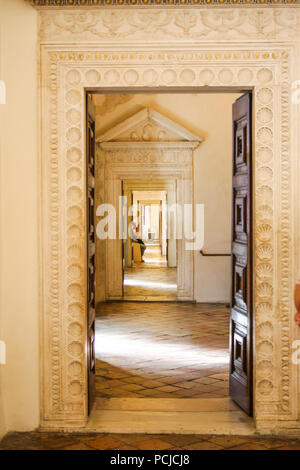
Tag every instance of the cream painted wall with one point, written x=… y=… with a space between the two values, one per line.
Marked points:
x=213 y=188
x=209 y=116
x=19 y=393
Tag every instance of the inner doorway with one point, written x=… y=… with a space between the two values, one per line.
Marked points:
x=196 y=316
x=150 y=249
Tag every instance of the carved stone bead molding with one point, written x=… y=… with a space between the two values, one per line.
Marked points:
x=187 y=25
x=160 y=3
x=65 y=74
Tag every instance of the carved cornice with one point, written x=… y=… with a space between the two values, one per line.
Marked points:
x=158 y=3
x=147 y=128
x=148 y=145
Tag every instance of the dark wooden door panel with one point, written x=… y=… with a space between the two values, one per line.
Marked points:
x=240 y=382
x=90 y=185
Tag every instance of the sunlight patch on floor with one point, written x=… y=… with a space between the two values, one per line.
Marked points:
x=140 y=283
x=110 y=346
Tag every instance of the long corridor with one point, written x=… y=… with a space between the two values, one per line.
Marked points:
x=151 y=278
x=162 y=350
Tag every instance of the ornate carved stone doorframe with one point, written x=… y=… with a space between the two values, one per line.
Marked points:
x=66 y=72
x=124 y=158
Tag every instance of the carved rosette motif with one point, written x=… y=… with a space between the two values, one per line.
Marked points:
x=65 y=74
x=74 y=246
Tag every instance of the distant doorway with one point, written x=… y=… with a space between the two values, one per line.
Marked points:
x=143 y=162
x=150 y=251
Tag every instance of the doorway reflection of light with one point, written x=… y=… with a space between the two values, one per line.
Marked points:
x=111 y=346
x=139 y=283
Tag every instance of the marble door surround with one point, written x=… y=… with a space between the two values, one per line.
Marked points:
x=203 y=49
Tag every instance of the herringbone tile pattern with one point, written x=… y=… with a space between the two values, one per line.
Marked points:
x=162 y=350
x=55 y=441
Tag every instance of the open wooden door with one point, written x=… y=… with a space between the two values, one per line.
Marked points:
x=240 y=382
x=90 y=184
x=124 y=234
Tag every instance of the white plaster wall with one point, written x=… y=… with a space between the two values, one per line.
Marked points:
x=209 y=116
x=154 y=209
x=19 y=397
x=154 y=218
x=213 y=188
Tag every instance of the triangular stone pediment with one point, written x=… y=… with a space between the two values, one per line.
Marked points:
x=148 y=126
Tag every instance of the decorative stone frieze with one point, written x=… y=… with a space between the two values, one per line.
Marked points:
x=161 y=24
x=161 y=3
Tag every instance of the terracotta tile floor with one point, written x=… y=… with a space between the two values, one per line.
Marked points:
x=152 y=257
x=151 y=278
x=55 y=441
x=156 y=350
x=162 y=350
x=144 y=282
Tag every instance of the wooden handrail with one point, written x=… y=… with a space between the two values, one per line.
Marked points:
x=214 y=254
